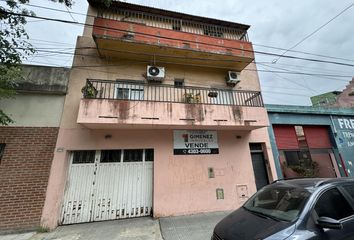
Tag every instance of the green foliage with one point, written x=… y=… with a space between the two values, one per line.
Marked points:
x=306 y=170
x=14 y=47
x=89 y=91
x=42 y=230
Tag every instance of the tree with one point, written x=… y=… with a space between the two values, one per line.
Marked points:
x=14 y=47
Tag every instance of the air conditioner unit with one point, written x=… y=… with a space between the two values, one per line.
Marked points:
x=233 y=77
x=154 y=73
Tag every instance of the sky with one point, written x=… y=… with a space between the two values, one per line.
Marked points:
x=274 y=23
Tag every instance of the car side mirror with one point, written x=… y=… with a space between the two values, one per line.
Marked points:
x=327 y=222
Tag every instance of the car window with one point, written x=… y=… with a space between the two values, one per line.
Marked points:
x=350 y=190
x=332 y=204
x=279 y=201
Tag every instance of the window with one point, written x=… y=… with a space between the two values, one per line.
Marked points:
x=301 y=137
x=179 y=83
x=279 y=201
x=149 y=155
x=350 y=190
x=257 y=147
x=108 y=156
x=176 y=26
x=332 y=204
x=213 y=31
x=297 y=158
x=2 y=150
x=133 y=155
x=81 y=157
x=130 y=91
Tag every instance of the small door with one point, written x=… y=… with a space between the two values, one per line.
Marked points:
x=259 y=168
x=108 y=184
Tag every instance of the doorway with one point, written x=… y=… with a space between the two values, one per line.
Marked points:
x=259 y=165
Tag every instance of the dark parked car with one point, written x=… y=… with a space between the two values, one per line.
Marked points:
x=308 y=208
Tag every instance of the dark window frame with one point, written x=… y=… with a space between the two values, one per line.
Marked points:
x=298 y=154
x=137 y=151
x=212 y=32
x=343 y=194
x=83 y=152
x=178 y=83
x=107 y=156
x=2 y=150
x=149 y=155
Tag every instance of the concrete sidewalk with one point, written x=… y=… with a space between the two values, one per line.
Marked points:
x=192 y=227
x=144 y=228
x=19 y=236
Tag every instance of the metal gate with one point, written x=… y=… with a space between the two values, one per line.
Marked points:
x=108 y=184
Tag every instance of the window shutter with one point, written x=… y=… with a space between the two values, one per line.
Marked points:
x=317 y=136
x=285 y=137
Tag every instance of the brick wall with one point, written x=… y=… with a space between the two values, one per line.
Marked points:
x=24 y=172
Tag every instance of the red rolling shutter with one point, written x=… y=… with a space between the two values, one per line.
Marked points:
x=317 y=136
x=285 y=137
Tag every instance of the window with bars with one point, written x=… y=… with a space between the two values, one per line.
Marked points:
x=82 y=157
x=130 y=92
x=178 y=82
x=108 y=156
x=133 y=155
x=113 y=156
x=213 y=32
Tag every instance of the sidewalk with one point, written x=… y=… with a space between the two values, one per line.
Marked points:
x=20 y=236
x=192 y=227
x=128 y=229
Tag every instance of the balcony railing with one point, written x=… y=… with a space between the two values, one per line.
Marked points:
x=176 y=24
x=139 y=91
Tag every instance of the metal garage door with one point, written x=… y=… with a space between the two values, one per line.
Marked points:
x=107 y=185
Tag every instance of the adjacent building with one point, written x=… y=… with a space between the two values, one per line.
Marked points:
x=308 y=141
x=343 y=98
x=164 y=116
x=27 y=145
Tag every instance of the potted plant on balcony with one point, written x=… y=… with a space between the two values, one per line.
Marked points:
x=191 y=98
x=89 y=91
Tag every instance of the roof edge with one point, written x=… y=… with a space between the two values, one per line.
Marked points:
x=274 y=108
x=114 y=4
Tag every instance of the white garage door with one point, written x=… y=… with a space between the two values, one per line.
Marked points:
x=108 y=184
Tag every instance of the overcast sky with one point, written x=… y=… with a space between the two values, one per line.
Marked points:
x=276 y=23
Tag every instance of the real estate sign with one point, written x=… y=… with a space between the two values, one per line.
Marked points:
x=191 y=142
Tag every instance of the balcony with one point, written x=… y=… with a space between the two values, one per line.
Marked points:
x=140 y=36
x=121 y=104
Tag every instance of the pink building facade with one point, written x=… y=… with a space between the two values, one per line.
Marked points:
x=161 y=119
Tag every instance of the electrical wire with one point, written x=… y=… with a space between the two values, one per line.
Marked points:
x=202 y=65
x=312 y=33
x=170 y=38
x=272 y=47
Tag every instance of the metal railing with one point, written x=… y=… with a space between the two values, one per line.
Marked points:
x=139 y=91
x=154 y=20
